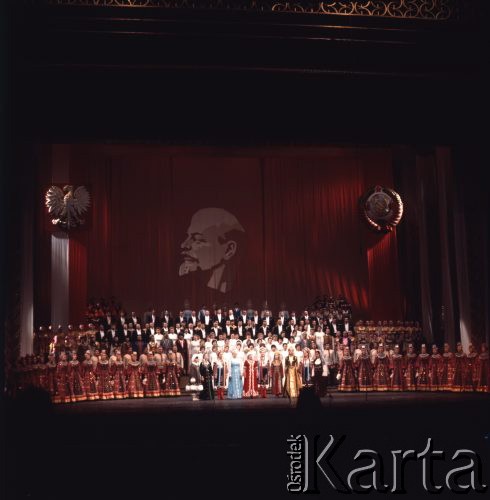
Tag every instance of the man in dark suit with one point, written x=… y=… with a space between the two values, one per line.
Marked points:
x=183 y=348
x=237 y=312
x=167 y=343
x=278 y=329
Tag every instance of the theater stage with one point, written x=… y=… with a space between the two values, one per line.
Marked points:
x=335 y=400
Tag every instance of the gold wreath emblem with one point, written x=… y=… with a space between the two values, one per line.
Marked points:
x=381 y=208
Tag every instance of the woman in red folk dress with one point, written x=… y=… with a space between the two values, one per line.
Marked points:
x=118 y=373
x=348 y=382
x=381 y=377
x=459 y=369
x=51 y=377
x=77 y=389
x=435 y=369
x=482 y=372
x=447 y=369
x=150 y=380
x=104 y=380
x=411 y=369
x=133 y=372
x=397 y=366
x=364 y=371
x=471 y=375
x=171 y=376
x=62 y=381
x=423 y=369
x=42 y=374
x=250 y=382
x=277 y=374
x=88 y=376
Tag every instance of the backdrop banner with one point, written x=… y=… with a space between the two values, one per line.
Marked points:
x=219 y=226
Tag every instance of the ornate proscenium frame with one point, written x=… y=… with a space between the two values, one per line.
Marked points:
x=399 y=9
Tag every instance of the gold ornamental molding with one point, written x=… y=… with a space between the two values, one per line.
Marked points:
x=433 y=10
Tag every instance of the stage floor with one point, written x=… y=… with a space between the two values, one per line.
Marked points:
x=335 y=400
x=176 y=448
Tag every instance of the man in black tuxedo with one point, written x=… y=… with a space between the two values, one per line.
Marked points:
x=220 y=318
x=193 y=318
x=207 y=321
x=216 y=329
x=181 y=319
x=106 y=321
x=269 y=320
x=166 y=317
x=101 y=335
x=264 y=328
x=134 y=319
x=289 y=329
x=112 y=334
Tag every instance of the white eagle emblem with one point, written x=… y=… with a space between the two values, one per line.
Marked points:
x=66 y=206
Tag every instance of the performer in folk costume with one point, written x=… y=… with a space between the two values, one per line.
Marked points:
x=118 y=374
x=235 y=381
x=365 y=371
x=435 y=369
x=346 y=374
x=277 y=374
x=220 y=375
x=447 y=369
x=172 y=375
x=292 y=379
x=471 y=367
x=263 y=371
x=482 y=371
x=104 y=381
x=397 y=366
x=62 y=381
x=381 y=377
x=77 y=389
x=411 y=369
x=133 y=373
x=151 y=386
x=250 y=383
x=306 y=368
x=88 y=376
x=423 y=369
x=51 y=377
x=317 y=374
x=42 y=374
x=206 y=372
x=194 y=370
x=459 y=369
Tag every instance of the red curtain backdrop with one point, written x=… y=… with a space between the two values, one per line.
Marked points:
x=303 y=235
